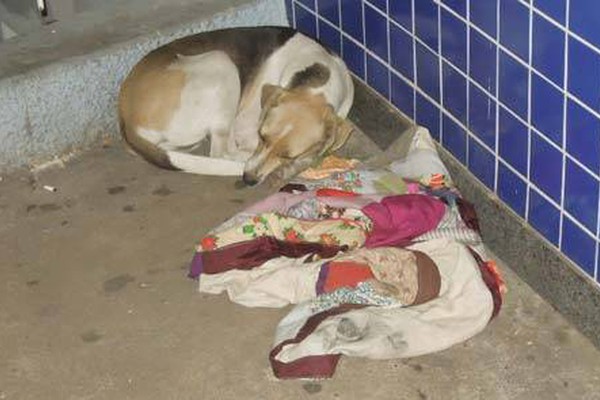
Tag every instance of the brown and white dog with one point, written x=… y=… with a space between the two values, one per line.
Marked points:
x=271 y=100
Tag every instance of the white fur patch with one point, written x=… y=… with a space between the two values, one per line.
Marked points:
x=205 y=165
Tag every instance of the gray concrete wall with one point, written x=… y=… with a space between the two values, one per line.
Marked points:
x=62 y=97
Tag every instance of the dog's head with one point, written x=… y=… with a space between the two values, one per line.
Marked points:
x=296 y=128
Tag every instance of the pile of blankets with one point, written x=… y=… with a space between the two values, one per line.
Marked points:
x=380 y=263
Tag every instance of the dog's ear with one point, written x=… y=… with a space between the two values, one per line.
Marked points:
x=270 y=93
x=338 y=131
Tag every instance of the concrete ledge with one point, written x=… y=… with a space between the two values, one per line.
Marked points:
x=537 y=262
x=58 y=93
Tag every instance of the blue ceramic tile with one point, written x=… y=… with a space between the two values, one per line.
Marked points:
x=354 y=57
x=454 y=138
x=513 y=84
x=483 y=14
x=352 y=18
x=401 y=52
x=376 y=32
x=583 y=136
x=512 y=141
x=512 y=189
x=483 y=61
x=578 y=246
x=289 y=11
x=330 y=10
x=306 y=22
x=460 y=6
x=546 y=167
x=482 y=163
x=553 y=8
x=428 y=73
x=401 y=12
x=381 y=4
x=330 y=37
x=548 y=53
x=455 y=92
x=482 y=116
x=547 y=105
x=544 y=217
x=426 y=22
x=308 y=3
x=583 y=16
x=514 y=27
x=454 y=40
x=378 y=76
x=581 y=195
x=402 y=96
x=428 y=115
x=584 y=73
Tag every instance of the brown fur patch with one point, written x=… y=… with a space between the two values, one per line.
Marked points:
x=314 y=76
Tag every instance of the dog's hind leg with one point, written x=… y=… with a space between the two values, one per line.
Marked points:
x=203 y=165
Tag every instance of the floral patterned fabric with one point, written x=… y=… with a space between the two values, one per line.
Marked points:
x=338 y=232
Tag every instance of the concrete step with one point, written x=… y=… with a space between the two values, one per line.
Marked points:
x=58 y=86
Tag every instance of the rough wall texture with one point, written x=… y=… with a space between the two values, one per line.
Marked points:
x=69 y=103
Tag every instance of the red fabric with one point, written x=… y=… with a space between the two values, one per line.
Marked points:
x=253 y=253
x=492 y=280
x=400 y=218
x=321 y=366
x=334 y=193
x=346 y=274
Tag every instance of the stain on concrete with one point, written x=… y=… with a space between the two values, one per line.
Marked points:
x=561 y=336
x=31 y=207
x=117 y=283
x=154 y=271
x=417 y=367
x=90 y=336
x=236 y=201
x=312 y=388
x=33 y=282
x=530 y=358
x=163 y=191
x=64 y=223
x=49 y=207
x=422 y=395
x=129 y=208
x=115 y=189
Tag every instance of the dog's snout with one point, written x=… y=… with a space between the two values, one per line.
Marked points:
x=249 y=179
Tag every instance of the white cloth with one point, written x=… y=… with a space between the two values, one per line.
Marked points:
x=462 y=310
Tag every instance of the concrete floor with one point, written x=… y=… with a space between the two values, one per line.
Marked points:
x=95 y=304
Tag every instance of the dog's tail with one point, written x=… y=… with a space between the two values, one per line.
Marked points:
x=203 y=165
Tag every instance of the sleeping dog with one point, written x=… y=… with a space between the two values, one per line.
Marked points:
x=270 y=99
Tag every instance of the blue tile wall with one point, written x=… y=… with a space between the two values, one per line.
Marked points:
x=510 y=87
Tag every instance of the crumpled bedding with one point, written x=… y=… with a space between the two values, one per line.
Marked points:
x=381 y=264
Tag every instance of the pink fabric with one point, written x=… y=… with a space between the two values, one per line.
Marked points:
x=397 y=219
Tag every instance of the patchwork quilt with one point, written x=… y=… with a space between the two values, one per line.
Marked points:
x=379 y=263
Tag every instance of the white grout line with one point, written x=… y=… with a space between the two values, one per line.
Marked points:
x=529 y=125
x=339 y=27
x=440 y=72
x=389 y=49
x=413 y=36
x=467 y=84
x=565 y=87
x=364 y=41
x=496 y=101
